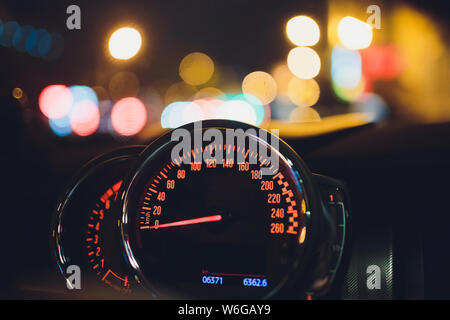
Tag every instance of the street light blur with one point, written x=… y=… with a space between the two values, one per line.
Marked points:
x=125 y=43
x=303 y=31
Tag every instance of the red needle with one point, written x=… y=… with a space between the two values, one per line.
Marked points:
x=217 y=217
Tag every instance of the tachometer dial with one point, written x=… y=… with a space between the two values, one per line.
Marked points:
x=96 y=245
x=85 y=231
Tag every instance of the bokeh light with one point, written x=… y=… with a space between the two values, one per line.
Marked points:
x=105 y=125
x=128 y=116
x=17 y=93
x=208 y=92
x=123 y=84
x=179 y=91
x=172 y=115
x=239 y=107
x=303 y=92
x=261 y=85
x=209 y=106
x=125 y=43
x=381 y=63
x=303 y=62
x=38 y=43
x=61 y=126
x=55 y=101
x=352 y=94
x=192 y=113
x=345 y=67
x=301 y=114
x=372 y=104
x=101 y=93
x=7 y=33
x=251 y=100
x=237 y=110
x=282 y=107
x=84 y=118
x=196 y=68
x=354 y=34
x=303 y=31
x=83 y=93
x=20 y=37
x=282 y=76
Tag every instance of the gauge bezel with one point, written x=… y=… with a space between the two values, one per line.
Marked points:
x=87 y=171
x=312 y=219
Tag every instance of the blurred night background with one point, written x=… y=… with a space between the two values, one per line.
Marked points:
x=136 y=68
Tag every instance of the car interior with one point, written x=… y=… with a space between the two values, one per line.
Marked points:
x=224 y=150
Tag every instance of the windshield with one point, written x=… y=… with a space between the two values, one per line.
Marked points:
x=109 y=69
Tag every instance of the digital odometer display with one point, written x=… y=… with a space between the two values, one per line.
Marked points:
x=213 y=229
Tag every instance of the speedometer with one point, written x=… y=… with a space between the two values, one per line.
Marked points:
x=230 y=217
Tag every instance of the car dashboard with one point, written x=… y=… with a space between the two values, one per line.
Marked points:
x=375 y=235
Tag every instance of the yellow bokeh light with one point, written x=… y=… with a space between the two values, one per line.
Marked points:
x=125 y=43
x=301 y=114
x=209 y=92
x=422 y=42
x=261 y=85
x=303 y=92
x=179 y=91
x=303 y=31
x=282 y=76
x=196 y=68
x=123 y=84
x=17 y=93
x=303 y=62
x=354 y=34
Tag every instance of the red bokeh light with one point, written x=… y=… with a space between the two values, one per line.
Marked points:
x=381 y=63
x=85 y=118
x=128 y=116
x=55 y=101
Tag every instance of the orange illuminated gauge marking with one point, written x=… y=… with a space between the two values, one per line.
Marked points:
x=284 y=215
x=302 y=237
x=94 y=242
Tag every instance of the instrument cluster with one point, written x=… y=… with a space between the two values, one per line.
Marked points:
x=217 y=210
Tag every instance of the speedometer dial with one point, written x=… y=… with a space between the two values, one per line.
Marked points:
x=218 y=229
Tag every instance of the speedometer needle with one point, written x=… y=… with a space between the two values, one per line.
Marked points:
x=216 y=217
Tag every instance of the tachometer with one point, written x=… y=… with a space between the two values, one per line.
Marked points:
x=95 y=245
x=84 y=231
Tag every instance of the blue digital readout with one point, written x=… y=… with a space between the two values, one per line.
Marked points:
x=212 y=280
x=254 y=282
